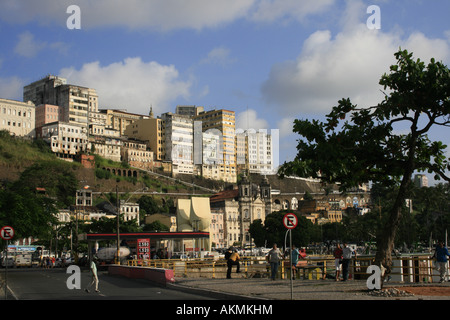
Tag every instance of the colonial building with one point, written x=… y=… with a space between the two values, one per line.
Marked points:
x=241 y=207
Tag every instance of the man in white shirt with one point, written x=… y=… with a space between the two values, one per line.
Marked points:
x=94 y=276
x=347 y=255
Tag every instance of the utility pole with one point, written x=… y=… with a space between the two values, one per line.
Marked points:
x=118 y=215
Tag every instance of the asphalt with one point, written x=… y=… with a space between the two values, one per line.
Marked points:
x=239 y=288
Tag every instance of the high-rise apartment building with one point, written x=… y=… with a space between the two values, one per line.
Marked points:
x=224 y=121
x=179 y=140
x=75 y=102
x=254 y=151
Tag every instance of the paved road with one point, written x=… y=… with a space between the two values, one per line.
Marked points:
x=51 y=284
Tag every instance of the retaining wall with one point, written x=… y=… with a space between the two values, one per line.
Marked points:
x=157 y=275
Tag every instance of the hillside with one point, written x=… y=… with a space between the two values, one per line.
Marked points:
x=17 y=154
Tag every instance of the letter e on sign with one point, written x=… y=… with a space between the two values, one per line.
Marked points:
x=7 y=233
x=290 y=221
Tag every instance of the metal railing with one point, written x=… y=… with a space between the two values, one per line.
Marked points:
x=412 y=269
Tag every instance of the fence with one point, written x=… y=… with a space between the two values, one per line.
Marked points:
x=411 y=268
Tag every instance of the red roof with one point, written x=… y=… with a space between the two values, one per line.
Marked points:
x=225 y=195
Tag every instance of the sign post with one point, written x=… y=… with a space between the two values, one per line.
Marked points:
x=290 y=221
x=7 y=233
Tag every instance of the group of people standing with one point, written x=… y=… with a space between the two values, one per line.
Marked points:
x=342 y=257
x=273 y=257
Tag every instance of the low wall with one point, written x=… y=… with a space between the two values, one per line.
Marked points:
x=157 y=275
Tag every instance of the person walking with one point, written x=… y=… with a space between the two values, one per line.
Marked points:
x=232 y=260
x=295 y=256
x=94 y=281
x=273 y=257
x=347 y=254
x=337 y=260
x=441 y=253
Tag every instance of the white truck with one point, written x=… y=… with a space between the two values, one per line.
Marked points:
x=23 y=260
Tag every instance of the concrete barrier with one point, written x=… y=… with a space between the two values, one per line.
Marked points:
x=157 y=275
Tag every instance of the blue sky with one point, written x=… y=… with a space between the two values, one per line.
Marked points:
x=271 y=61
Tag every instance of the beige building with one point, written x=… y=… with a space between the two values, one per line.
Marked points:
x=18 y=118
x=120 y=119
x=151 y=132
x=254 y=151
x=169 y=220
x=137 y=154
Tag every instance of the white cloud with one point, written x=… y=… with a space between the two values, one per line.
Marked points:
x=219 y=55
x=134 y=14
x=249 y=120
x=348 y=65
x=273 y=10
x=164 y=15
x=11 y=88
x=28 y=46
x=132 y=84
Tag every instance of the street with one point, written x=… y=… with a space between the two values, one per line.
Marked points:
x=50 y=284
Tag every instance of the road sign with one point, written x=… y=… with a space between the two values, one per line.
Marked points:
x=7 y=233
x=290 y=221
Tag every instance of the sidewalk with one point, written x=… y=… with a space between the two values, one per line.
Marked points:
x=266 y=289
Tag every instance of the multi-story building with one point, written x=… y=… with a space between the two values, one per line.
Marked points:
x=43 y=91
x=216 y=229
x=137 y=154
x=254 y=151
x=191 y=111
x=420 y=180
x=151 y=132
x=75 y=102
x=66 y=139
x=46 y=113
x=18 y=118
x=130 y=211
x=224 y=122
x=179 y=140
x=120 y=119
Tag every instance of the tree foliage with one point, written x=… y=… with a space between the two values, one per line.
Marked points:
x=385 y=143
x=273 y=231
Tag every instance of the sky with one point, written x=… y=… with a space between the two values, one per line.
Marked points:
x=270 y=61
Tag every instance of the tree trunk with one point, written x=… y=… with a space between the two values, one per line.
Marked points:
x=385 y=243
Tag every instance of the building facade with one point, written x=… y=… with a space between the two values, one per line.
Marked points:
x=66 y=140
x=241 y=207
x=18 y=118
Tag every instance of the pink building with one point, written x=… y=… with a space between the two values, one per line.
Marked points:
x=46 y=113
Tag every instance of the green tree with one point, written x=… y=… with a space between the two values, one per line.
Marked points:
x=148 y=205
x=274 y=231
x=30 y=214
x=257 y=232
x=384 y=143
x=56 y=177
x=156 y=226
